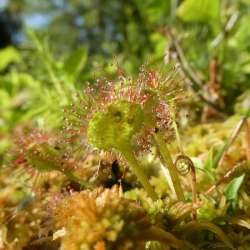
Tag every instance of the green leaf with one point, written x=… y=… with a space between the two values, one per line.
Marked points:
x=240 y=39
x=8 y=55
x=75 y=63
x=209 y=161
x=232 y=189
x=199 y=10
x=219 y=155
x=246 y=1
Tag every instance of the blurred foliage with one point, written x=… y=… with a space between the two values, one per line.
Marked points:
x=9 y=55
x=199 y=11
x=128 y=33
x=62 y=44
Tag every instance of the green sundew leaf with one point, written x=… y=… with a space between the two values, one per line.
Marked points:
x=75 y=63
x=8 y=55
x=232 y=189
x=115 y=128
x=199 y=10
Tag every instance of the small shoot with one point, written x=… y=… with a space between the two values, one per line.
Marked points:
x=232 y=190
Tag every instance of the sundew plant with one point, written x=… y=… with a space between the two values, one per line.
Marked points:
x=124 y=125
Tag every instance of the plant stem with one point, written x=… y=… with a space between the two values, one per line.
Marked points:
x=136 y=168
x=167 y=159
